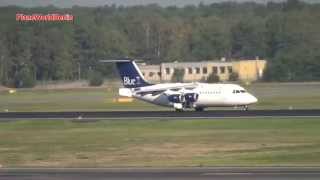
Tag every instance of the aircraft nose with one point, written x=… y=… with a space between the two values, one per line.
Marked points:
x=253 y=99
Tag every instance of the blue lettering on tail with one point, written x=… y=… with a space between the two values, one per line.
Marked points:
x=131 y=75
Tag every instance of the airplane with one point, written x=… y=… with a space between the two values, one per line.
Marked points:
x=180 y=96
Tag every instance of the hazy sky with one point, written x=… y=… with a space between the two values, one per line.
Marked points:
x=70 y=3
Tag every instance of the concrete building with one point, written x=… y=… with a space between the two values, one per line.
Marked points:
x=247 y=70
x=151 y=72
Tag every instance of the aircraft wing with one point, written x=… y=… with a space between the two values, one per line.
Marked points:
x=157 y=89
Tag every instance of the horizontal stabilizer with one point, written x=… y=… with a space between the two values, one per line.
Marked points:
x=125 y=92
x=115 y=60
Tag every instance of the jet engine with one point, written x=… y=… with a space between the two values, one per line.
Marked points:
x=191 y=97
x=176 y=98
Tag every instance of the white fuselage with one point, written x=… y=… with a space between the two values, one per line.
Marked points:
x=208 y=95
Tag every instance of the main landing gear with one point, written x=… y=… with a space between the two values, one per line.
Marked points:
x=181 y=107
x=242 y=108
x=178 y=107
x=199 y=109
x=179 y=110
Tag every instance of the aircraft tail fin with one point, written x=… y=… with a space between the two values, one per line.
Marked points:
x=130 y=73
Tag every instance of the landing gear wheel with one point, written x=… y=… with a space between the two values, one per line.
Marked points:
x=245 y=108
x=199 y=109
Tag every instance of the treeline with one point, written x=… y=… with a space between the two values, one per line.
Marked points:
x=287 y=34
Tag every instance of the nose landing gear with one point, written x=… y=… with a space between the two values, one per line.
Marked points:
x=245 y=108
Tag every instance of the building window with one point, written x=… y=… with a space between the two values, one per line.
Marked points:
x=222 y=69
x=229 y=69
x=151 y=74
x=143 y=74
x=190 y=70
x=159 y=74
x=205 y=70
x=198 y=70
x=215 y=70
x=167 y=70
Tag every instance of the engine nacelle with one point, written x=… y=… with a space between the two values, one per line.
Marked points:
x=175 y=98
x=191 y=97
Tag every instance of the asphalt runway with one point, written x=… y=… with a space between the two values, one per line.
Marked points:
x=160 y=114
x=163 y=174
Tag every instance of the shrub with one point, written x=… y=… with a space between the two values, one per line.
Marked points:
x=213 y=78
x=234 y=77
x=25 y=78
x=203 y=79
x=95 y=78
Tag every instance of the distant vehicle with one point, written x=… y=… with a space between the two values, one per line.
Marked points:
x=180 y=96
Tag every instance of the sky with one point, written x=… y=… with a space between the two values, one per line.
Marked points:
x=93 y=3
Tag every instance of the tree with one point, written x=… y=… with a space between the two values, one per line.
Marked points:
x=95 y=78
x=25 y=78
x=284 y=33
x=210 y=39
x=290 y=5
x=3 y=63
x=247 y=40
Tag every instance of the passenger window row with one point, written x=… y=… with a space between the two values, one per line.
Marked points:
x=210 y=92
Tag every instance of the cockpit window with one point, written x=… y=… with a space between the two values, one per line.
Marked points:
x=238 y=91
